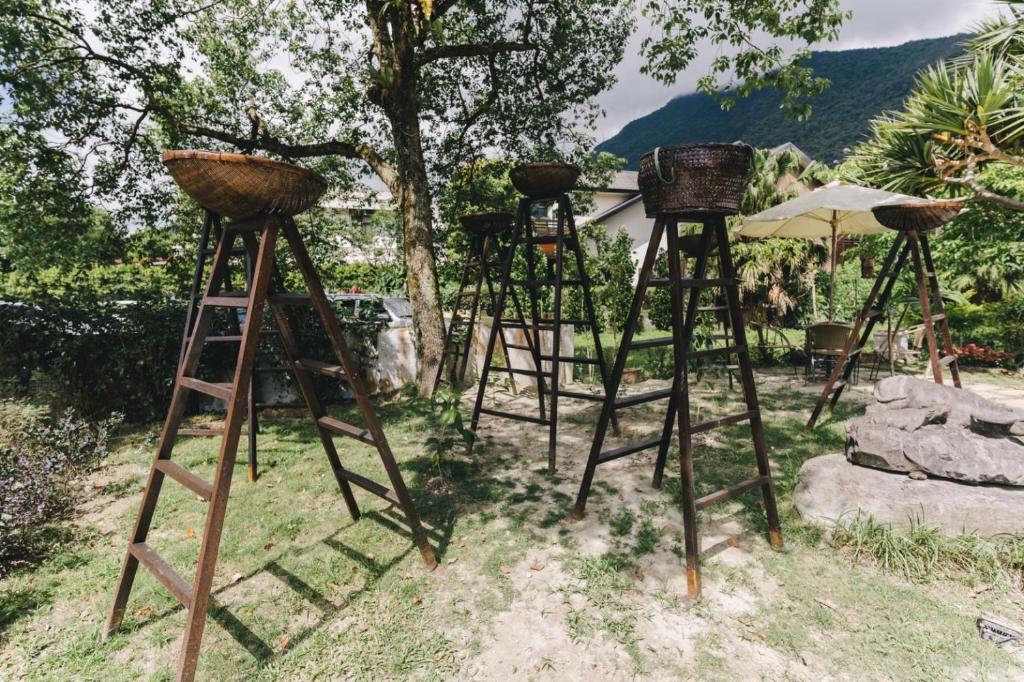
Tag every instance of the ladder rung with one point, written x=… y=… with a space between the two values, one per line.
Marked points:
x=342 y=429
x=544 y=282
x=730 y=492
x=630 y=400
x=162 y=571
x=517 y=370
x=324 y=368
x=236 y=251
x=222 y=391
x=724 y=421
x=281 y=406
x=711 y=308
x=201 y=432
x=186 y=478
x=239 y=300
x=272 y=370
x=693 y=283
x=575 y=395
x=510 y=322
x=939 y=317
x=369 y=485
x=652 y=343
x=609 y=455
x=549 y=239
x=724 y=350
x=510 y=415
x=225 y=338
x=292 y=299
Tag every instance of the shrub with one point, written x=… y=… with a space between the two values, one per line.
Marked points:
x=41 y=462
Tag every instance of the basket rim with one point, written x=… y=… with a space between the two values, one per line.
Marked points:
x=172 y=155
x=927 y=203
x=523 y=165
x=699 y=145
x=486 y=216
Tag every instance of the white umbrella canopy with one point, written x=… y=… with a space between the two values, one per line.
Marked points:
x=829 y=211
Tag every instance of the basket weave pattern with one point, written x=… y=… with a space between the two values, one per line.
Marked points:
x=544 y=179
x=695 y=178
x=240 y=186
x=917 y=216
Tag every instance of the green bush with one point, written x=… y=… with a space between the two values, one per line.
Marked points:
x=41 y=463
x=130 y=281
x=998 y=325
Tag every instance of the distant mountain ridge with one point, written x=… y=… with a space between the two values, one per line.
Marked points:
x=865 y=82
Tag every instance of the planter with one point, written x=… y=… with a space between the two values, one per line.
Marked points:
x=695 y=179
x=544 y=179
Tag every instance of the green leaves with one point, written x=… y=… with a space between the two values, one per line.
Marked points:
x=745 y=64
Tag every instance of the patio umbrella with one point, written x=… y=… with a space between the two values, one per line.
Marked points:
x=827 y=212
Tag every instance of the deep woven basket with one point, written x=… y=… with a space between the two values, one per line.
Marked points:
x=241 y=186
x=917 y=216
x=486 y=223
x=544 y=179
x=695 y=178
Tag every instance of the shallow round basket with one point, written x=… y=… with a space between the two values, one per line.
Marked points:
x=690 y=244
x=544 y=179
x=925 y=215
x=695 y=179
x=486 y=223
x=241 y=186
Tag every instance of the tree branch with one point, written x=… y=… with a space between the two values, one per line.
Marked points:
x=470 y=50
x=982 y=192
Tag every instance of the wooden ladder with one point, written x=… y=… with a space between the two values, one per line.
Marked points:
x=458 y=340
x=565 y=238
x=678 y=411
x=195 y=596
x=912 y=243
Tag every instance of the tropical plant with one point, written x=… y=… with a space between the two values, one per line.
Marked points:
x=768 y=186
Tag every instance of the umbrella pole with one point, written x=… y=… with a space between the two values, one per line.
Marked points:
x=832 y=275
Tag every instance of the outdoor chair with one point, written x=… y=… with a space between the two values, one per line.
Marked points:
x=824 y=346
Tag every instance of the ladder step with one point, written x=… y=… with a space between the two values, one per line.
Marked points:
x=724 y=350
x=630 y=400
x=236 y=251
x=342 y=429
x=324 y=368
x=711 y=308
x=576 y=395
x=225 y=338
x=162 y=571
x=693 y=283
x=652 y=343
x=369 y=485
x=281 y=406
x=519 y=417
x=730 y=492
x=512 y=322
x=292 y=299
x=222 y=391
x=609 y=455
x=272 y=370
x=938 y=318
x=239 y=300
x=517 y=370
x=186 y=478
x=724 y=421
x=549 y=239
x=544 y=282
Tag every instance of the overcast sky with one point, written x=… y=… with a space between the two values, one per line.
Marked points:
x=875 y=23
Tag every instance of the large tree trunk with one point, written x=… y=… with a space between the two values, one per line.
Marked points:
x=414 y=201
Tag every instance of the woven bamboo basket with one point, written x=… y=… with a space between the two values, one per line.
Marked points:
x=544 y=179
x=486 y=223
x=918 y=215
x=695 y=178
x=241 y=186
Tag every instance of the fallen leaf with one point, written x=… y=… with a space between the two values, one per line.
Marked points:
x=505 y=569
x=144 y=612
x=537 y=567
x=407 y=576
x=452 y=560
x=190 y=533
x=732 y=542
x=236 y=577
x=268 y=545
x=417 y=599
x=284 y=642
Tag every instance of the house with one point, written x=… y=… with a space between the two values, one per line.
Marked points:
x=372 y=237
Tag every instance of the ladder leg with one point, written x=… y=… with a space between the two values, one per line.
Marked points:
x=556 y=336
x=749 y=388
x=608 y=405
x=449 y=336
x=254 y=427
x=330 y=323
x=949 y=350
x=175 y=413
x=532 y=291
x=474 y=311
x=485 y=269
x=226 y=461
x=926 y=308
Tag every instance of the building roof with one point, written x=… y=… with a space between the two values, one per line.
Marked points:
x=805 y=160
x=609 y=212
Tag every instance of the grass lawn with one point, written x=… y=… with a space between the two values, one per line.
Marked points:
x=302 y=592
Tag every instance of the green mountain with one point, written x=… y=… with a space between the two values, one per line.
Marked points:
x=864 y=83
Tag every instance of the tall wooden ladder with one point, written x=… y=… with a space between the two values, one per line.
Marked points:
x=259 y=236
x=910 y=243
x=484 y=230
x=563 y=237
x=208 y=238
x=713 y=232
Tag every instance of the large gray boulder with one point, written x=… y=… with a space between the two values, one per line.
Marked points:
x=830 y=488
x=943 y=431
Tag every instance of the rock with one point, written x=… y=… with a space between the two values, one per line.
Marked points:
x=918 y=475
x=831 y=488
x=947 y=432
